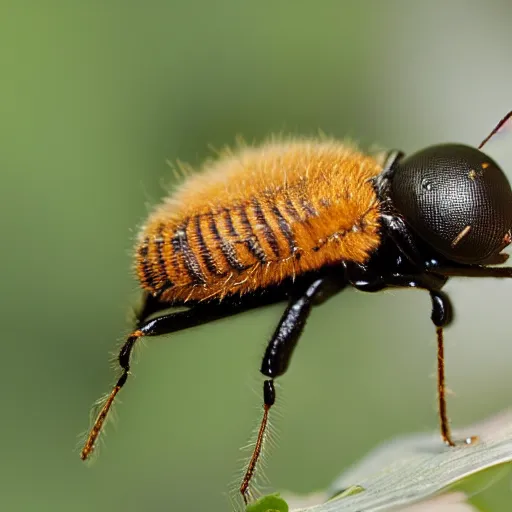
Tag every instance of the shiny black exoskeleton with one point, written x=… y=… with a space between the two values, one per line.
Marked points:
x=454 y=197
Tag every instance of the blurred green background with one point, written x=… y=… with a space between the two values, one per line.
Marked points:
x=94 y=98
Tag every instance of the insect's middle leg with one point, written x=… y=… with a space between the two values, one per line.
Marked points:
x=279 y=351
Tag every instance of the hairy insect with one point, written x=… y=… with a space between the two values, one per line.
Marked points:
x=299 y=220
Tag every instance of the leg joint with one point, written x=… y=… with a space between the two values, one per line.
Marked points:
x=269 y=393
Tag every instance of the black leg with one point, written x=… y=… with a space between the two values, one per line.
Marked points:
x=475 y=271
x=166 y=323
x=441 y=316
x=279 y=351
x=364 y=279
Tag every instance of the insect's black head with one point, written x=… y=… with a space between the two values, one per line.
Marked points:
x=456 y=199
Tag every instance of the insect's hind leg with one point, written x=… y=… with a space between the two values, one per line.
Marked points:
x=163 y=324
x=279 y=351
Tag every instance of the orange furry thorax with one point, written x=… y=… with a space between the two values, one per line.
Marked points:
x=257 y=216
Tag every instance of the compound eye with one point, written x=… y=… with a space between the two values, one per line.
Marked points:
x=457 y=199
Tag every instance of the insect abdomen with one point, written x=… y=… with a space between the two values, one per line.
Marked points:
x=275 y=216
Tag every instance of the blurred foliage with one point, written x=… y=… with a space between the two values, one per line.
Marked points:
x=94 y=98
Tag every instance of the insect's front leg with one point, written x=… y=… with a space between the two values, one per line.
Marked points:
x=441 y=314
x=279 y=351
x=476 y=271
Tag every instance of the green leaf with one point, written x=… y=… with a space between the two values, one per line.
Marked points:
x=414 y=468
x=270 y=503
x=353 y=489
